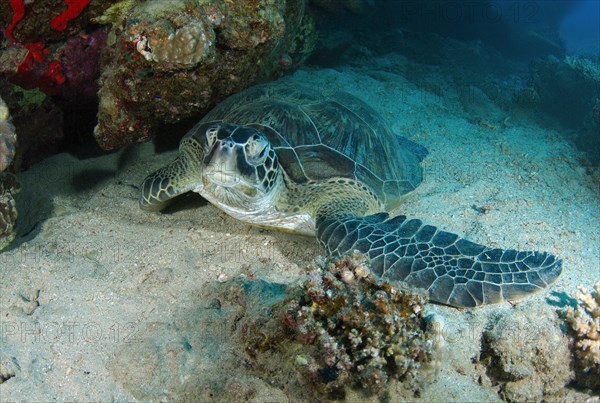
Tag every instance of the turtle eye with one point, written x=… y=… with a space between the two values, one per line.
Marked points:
x=256 y=149
x=211 y=135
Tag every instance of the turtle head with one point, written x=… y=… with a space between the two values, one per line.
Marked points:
x=230 y=165
x=240 y=167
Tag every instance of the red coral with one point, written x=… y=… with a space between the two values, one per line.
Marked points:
x=18 y=7
x=37 y=53
x=74 y=8
x=32 y=73
x=54 y=73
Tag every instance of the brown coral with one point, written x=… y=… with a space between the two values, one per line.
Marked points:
x=585 y=323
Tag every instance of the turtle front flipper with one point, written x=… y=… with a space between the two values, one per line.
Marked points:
x=160 y=187
x=454 y=271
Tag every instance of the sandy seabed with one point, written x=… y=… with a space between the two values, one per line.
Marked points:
x=97 y=297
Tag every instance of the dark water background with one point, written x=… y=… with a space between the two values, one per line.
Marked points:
x=548 y=49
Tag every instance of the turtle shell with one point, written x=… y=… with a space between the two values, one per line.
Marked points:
x=318 y=136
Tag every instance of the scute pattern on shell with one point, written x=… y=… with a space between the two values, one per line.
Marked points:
x=318 y=136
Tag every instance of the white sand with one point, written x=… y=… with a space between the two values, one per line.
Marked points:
x=117 y=286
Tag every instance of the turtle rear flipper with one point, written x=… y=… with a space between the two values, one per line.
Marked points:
x=160 y=187
x=454 y=271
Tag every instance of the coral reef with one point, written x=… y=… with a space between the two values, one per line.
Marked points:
x=169 y=61
x=340 y=327
x=527 y=354
x=47 y=21
x=39 y=31
x=584 y=321
x=52 y=63
x=161 y=62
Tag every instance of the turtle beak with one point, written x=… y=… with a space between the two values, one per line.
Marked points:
x=221 y=178
x=222 y=170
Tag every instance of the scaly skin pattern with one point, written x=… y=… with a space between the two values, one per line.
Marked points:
x=454 y=271
x=178 y=177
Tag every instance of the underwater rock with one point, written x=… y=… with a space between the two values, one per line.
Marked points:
x=46 y=21
x=38 y=30
x=8 y=209
x=568 y=93
x=337 y=328
x=584 y=321
x=169 y=61
x=50 y=55
x=8 y=137
x=81 y=68
x=527 y=354
x=38 y=120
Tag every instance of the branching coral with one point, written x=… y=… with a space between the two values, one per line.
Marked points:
x=585 y=323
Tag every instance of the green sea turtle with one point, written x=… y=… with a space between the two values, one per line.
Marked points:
x=288 y=157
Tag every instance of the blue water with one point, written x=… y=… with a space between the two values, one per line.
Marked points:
x=580 y=28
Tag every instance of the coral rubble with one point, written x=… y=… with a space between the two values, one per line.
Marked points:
x=340 y=327
x=584 y=320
